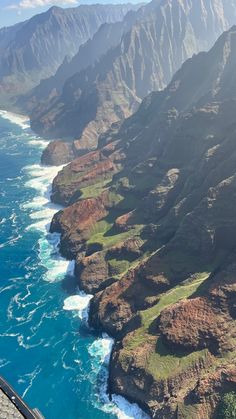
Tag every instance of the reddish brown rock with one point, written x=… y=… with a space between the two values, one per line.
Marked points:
x=195 y=324
x=215 y=383
x=84 y=171
x=117 y=305
x=205 y=322
x=75 y=222
x=114 y=309
x=124 y=222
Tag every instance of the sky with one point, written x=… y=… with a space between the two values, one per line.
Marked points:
x=13 y=11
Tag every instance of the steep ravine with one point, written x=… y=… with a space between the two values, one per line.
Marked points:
x=150 y=222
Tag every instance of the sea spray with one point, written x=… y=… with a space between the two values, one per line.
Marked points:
x=78 y=303
x=100 y=350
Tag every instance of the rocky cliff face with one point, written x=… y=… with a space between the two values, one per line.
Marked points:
x=150 y=220
x=36 y=48
x=163 y=35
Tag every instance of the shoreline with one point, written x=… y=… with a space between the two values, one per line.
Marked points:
x=102 y=347
x=81 y=303
x=18 y=119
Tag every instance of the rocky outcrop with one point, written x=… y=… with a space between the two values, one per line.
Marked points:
x=124 y=222
x=97 y=271
x=195 y=324
x=192 y=393
x=95 y=167
x=75 y=223
x=57 y=153
x=115 y=309
x=92 y=272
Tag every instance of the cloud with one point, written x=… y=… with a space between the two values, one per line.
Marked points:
x=31 y=4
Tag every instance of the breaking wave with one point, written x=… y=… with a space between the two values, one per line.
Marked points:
x=21 y=120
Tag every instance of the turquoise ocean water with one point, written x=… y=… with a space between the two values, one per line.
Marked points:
x=47 y=352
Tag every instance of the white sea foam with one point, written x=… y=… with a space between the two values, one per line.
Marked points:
x=41 y=179
x=39 y=142
x=11 y=241
x=126 y=410
x=29 y=378
x=56 y=266
x=21 y=120
x=101 y=348
x=42 y=212
x=27 y=135
x=36 y=203
x=4 y=362
x=100 y=351
x=78 y=303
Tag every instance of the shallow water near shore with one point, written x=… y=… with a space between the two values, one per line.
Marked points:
x=47 y=352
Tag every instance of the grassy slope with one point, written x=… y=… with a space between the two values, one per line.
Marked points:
x=104 y=234
x=161 y=363
x=93 y=191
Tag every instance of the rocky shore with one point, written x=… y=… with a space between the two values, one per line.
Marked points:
x=150 y=220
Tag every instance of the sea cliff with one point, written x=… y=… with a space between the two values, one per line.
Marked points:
x=150 y=222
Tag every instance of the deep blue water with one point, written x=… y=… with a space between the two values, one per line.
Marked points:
x=47 y=352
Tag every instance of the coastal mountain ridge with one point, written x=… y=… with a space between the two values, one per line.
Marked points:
x=107 y=36
x=163 y=36
x=140 y=102
x=150 y=222
x=34 y=49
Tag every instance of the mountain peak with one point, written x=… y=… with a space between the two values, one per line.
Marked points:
x=54 y=9
x=34 y=50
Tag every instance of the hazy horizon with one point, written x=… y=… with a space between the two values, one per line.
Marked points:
x=15 y=11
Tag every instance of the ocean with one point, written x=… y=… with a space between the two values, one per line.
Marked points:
x=47 y=352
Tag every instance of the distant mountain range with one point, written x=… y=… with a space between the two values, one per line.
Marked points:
x=132 y=59
x=107 y=36
x=34 y=49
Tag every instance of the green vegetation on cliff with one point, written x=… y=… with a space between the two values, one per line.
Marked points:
x=228 y=406
x=105 y=235
x=163 y=363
